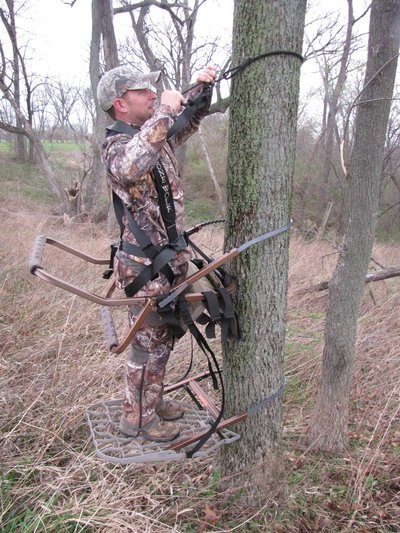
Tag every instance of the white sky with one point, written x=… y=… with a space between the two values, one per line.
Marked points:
x=60 y=34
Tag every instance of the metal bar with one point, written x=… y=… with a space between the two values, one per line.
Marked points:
x=194 y=438
x=107 y=301
x=117 y=302
x=179 y=384
x=144 y=313
x=204 y=399
x=77 y=253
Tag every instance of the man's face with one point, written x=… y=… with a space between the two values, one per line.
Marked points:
x=138 y=106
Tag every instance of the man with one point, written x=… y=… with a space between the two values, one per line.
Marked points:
x=132 y=157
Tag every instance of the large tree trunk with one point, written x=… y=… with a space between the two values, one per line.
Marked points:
x=262 y=138
x=328 y=427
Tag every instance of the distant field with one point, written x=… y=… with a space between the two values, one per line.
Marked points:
x=55 y=146
x=4 y=146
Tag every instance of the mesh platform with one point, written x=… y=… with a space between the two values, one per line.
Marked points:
x=113 y=447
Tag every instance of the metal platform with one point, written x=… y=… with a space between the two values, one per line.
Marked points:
x=113 y=447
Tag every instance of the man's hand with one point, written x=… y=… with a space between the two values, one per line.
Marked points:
x=172 y=98
x=208 y=75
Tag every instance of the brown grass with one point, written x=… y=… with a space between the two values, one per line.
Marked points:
x=54 y=363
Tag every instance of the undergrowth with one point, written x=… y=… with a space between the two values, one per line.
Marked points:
x=54 y=364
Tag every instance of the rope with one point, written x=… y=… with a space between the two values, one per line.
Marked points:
x=230 y=73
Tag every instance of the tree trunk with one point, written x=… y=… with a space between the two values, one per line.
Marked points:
x=102 y=25
x=328 y=426
x=262 y=138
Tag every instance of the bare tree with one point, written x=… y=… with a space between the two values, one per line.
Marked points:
x=328 y=427
x=8 y=20
x=9 y=72
x=103 y=39
x=63 y=98
x=262 y=137
x=333 y=53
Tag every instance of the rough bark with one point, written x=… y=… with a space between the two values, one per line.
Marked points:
x=328 y=426
x=262 y=137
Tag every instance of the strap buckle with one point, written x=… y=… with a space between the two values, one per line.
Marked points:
x=180 y=244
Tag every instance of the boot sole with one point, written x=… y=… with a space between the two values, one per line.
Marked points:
x=170 y=419
x=159 y=439
x=126 y=430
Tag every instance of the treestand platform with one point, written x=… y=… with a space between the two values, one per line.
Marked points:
x=113 y=447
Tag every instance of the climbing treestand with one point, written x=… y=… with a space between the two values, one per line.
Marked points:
x=103 y=417
x=202 y=428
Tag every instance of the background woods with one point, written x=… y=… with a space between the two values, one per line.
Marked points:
x=174 y=38
x=327 y=156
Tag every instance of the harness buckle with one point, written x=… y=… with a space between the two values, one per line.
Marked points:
x=180 y=244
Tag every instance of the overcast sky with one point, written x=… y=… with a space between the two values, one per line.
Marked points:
x=60 y=34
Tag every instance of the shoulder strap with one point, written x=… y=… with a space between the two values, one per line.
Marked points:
x=161 y=181
x=121 y=127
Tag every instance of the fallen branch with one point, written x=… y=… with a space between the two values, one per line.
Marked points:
x=371 y=276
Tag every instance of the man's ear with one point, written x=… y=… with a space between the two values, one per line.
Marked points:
x=120 y=105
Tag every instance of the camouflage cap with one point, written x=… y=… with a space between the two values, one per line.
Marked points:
x=118 y=80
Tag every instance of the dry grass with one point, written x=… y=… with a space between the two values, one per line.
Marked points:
x=54 y=363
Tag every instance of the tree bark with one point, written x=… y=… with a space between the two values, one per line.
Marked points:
x=328 y=426
x=262 y=138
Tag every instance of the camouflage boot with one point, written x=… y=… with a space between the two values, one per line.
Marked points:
x=169 y=409
x=156 y=430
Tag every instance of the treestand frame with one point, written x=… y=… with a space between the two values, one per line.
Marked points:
x=103 y=417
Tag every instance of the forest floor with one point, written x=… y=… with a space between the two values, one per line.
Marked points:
x=54 y=364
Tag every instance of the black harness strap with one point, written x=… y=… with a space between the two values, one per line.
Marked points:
x=166 y=201
x=160 y=256
x=201 y=341
x=201 y=101
x=228 y=314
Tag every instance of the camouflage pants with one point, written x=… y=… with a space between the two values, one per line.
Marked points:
x=148 y=355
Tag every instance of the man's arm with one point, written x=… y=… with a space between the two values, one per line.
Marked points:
x=207 y=76
x=127 y=159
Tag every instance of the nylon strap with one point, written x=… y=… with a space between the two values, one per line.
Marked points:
x=209 y=353
x=256 y=407
x=201 y=101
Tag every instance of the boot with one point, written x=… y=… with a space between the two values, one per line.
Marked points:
x=156 y=430
x=169 y=409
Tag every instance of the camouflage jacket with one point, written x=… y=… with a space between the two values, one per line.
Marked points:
x=129 y=162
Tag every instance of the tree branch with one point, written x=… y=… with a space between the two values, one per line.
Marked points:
x=379 y=275
x=128 y=8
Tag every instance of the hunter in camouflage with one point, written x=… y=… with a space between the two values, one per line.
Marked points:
x=130 y=96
